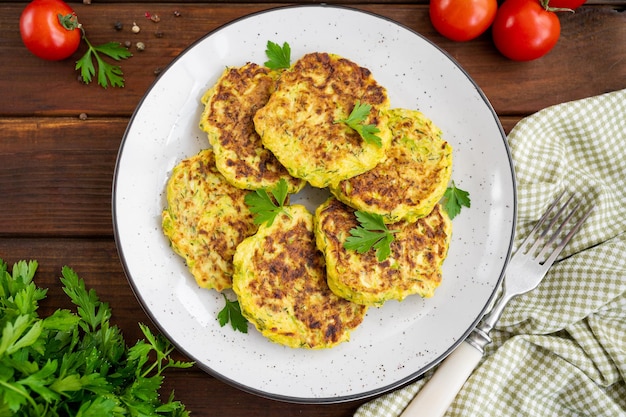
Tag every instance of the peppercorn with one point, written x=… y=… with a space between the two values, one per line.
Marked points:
x=82 y=116
x=118 y=26
x=177 y=13
x=127 y=44
x=158 y=34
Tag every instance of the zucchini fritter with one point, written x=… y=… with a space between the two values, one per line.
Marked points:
x=299 y=122
x=412 y=179
x=280 y=281
x=414 y=267
x=227 y=119
x=205 y=219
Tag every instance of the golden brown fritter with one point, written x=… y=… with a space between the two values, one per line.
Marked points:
x=205 y=219
x=280 y=281
x=298 y=124
x=227 y=118
x=414 y=266
x=413 y=178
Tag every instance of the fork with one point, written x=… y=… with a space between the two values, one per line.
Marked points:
x=525 y=271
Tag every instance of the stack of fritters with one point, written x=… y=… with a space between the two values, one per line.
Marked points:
x=405 y=190
x=294 y=279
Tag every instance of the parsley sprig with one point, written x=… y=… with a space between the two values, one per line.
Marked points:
x=107 y=73
x=278 y=57
x=372 y=233
x=454 y=199
x=232 y=313
x=356 y=121
x=75 y=363
x=264 y=208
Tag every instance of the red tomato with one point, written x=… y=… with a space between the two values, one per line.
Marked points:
x=524 y=30
x=566 y=4
x=42 y=31
x=462 y=20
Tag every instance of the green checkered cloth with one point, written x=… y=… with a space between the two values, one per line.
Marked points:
x=559 y=350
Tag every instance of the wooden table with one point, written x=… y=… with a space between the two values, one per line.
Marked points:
x=56 y=166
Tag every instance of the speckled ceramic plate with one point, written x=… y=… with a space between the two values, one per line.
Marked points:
x=396 y=343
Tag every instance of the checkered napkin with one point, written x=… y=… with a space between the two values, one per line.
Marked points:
x=559 y=350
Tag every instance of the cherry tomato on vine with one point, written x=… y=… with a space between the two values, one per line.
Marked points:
x=524 y=30
x=43 y=32
x=462 y=20
x=566 y=4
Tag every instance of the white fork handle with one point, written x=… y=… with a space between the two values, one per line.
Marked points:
x=436 y=396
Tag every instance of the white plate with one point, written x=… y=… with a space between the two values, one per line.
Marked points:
x=396 y=343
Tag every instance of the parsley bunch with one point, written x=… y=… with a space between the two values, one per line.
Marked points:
x=75 y=364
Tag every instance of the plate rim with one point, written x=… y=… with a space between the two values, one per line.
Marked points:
x=413 y=377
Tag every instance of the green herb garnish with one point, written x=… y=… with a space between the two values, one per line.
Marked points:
x=263 y=207
x=232 y=313
x=75 y=363
x=279 y=57
x=355 y=121
x=454 y=198
x=107 y=73
x=372 y=233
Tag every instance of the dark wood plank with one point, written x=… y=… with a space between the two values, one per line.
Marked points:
x=56 y=175
x=566 y=73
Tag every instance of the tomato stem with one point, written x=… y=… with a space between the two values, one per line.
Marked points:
x=546 y=5
x=69 y=21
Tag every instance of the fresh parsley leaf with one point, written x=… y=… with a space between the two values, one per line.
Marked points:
x=355 y=121
x=454 y=198
x=263 y=207
x=75 y=364
x=90 y=309
x=368 y=133
x=279 y=57
x=232 y=313
x=372 y=233
x=107 y=73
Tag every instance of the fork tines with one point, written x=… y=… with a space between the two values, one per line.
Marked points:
x=543 y=241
